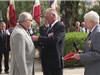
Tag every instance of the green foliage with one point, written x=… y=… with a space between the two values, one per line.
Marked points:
x=3 y=9
x=21 y=6
x=79 y=38
x=44 y=6
x=69 y=11
x=96 y=7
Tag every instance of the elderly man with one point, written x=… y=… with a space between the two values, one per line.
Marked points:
x=53 y=45
x=22 y=47
x=91 y=55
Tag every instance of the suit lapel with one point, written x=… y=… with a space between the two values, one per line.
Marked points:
x=26 y=34
x=88 y=43
x=1 y=34
x=53 y=29
x=92 y=33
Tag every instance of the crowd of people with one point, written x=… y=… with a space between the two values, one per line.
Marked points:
x=51 y=43
x=80 y=27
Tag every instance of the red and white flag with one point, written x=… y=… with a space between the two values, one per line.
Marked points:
x=37 y=11
x=11 y=14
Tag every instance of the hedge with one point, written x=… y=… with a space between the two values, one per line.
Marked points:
x=79 y=38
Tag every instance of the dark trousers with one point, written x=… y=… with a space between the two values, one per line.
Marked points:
x=47 y=71
x=50 y=71
x=6 y=60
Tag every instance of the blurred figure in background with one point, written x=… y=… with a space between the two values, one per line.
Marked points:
x=77 y=24
x=4 y=47
x=82 y=28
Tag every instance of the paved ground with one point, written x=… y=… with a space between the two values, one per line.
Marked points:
x=67 y=71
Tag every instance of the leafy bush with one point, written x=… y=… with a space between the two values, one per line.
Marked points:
x=79 y=38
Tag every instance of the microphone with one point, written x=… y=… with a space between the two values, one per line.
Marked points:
x=75 y=46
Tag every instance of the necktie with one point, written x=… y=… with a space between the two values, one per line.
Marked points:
x=2 y=31
x=28 y=32
x=89 y=34
x=49 y=28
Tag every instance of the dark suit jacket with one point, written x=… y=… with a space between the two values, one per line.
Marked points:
x=53 y=46
x=43 y=30
x=43 y=33
x=4 y=40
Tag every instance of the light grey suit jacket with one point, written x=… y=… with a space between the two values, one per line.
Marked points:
x=22 y=52
x=91 y=55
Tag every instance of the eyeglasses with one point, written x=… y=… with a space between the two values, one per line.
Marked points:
x=29 y=20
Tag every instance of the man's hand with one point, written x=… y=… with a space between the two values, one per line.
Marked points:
x=76 y=56
x=35 y=38
x=50 y=34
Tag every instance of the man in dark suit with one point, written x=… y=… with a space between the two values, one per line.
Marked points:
x=44 y=28
x=43 y=33
x=53 y=44
x=4 y=50
x=90 y=57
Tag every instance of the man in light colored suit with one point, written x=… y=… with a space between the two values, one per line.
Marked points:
x=91 y=55
x=22 y=47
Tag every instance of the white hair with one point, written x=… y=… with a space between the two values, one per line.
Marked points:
x=3 y=23
x=92 y=15
x=53 y=11
x=24 y=16
x=77 y=23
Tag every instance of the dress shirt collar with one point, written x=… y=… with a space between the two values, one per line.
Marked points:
x=93 y=28
x=54 y=23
